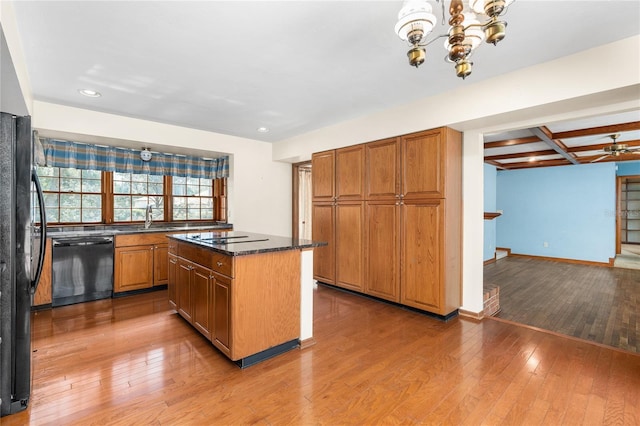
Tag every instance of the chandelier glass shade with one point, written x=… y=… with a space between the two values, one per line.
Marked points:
x=465 y=33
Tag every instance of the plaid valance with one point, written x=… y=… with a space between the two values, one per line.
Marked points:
x=60 y=153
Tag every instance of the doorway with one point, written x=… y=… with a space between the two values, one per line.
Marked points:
x=628 y=222
x=302 y=200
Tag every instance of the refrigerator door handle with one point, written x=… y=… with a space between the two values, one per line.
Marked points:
x=43 y=226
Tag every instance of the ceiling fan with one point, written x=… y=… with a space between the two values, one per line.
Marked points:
x=616 y=149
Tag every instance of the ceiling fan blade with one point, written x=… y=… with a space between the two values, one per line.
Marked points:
x=598 y=159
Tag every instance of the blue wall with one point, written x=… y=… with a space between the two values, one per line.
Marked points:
x=570 y=208
x=489 y=206
x=629 y=168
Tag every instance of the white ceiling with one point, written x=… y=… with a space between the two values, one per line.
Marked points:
x=292 y=66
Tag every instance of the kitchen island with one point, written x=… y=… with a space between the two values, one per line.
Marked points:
x=250 y=294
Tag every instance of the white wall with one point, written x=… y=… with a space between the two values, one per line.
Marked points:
x=14 y=48
x=260 y=189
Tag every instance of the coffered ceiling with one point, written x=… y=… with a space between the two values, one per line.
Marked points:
x=571 y=142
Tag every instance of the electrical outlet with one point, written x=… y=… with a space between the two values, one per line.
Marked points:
x=545 y=244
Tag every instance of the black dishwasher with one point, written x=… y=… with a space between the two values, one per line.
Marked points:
x=82 y=269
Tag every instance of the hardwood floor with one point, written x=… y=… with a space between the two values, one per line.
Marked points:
x=589 y=302
x=133 y=361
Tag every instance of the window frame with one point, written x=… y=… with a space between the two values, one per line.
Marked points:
x=81 y=193
x=218 y=191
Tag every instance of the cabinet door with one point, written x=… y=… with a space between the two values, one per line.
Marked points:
x=382 y=164
x=172 y=270
x=349 y=173
x=160 y=266
x=183 y=289
x=422 y=168
x=133 y=269
x=323 y=171
x=323 y=229
x=382 y=275
x=422 y=230
x=349 y=241
x=201 y=293
x=221 y=337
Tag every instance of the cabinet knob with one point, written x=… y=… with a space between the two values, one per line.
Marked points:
x=219 y=264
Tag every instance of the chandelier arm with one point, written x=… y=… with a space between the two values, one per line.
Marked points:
x=425 y=44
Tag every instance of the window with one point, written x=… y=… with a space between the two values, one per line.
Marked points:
x=133 y=192
x=71 y=195
x=93 y=196
x=192 y=198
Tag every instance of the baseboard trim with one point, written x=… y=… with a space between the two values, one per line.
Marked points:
x=306 y=343
x=489 y=261
x=470 y=314
x=562 y=259
x=508 y=250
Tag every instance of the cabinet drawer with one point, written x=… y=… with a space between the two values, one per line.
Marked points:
x=222 y=264
x=141 y=239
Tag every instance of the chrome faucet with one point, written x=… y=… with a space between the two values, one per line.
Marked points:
x=147 y=218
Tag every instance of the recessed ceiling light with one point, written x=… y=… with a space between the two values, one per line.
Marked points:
x=90 y=93
x=263 y=129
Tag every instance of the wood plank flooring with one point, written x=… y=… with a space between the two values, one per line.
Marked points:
x=133 y=361
x=595 y=303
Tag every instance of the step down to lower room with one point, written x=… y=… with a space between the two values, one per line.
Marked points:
x=491 y=299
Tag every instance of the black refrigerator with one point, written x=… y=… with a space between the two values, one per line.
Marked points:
x=22 y=245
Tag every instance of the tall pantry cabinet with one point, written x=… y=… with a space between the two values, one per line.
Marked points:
x=338 y=216
x=412 y=220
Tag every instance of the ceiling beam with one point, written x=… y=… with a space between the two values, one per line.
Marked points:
x=547 y=137
x=602 y=130
x=511 y=142
x=532 y=164
x=520 y=155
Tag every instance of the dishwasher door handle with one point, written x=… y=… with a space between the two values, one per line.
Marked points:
x=80 y=243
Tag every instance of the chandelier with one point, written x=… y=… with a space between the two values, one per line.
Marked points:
x=466 y=32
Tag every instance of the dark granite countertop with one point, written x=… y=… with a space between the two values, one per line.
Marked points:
x=238 y=243
x=112 y=230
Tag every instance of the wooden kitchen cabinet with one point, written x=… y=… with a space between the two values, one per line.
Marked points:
x=349 y=243
x=323 y=182
x=243 y=304
x=172 y=270
x=382 y=235
x=340 y=221
x=422 y=255
x=183 y=289
x=410 y=231
x=203 y=296
x=323 y=229
x=201 y=288
x=140 y=261
x=160 y=265
x=221 y=302
x=431 y=164
x=133 y=268
x=349 y=173
x=382 y=165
